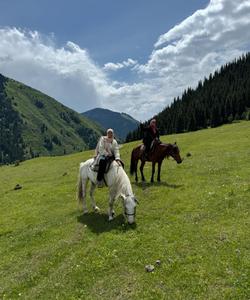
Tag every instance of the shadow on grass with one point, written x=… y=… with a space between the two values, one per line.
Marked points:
x=98 y=222
x=144 y=185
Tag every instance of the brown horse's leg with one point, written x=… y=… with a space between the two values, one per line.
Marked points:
x=136 y=164
x=159 y=171
x=153 y=172
x=141 y=169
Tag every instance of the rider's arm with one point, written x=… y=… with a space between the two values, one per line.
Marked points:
x=101 y=148
x=116 y=150
x=144 y=128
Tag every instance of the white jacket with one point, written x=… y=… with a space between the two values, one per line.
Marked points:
x=107 y=149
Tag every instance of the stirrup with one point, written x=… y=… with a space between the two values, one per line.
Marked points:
x=100 y=183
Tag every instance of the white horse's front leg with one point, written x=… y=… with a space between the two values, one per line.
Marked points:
x=111 y=209
x=94 y=206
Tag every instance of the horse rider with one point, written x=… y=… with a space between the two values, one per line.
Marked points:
x=151 y=133
x=107 y=149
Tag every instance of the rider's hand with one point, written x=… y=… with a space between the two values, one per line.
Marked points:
x=118 y=161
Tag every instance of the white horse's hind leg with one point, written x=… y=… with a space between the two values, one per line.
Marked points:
x=84 y=204
x=92 y=189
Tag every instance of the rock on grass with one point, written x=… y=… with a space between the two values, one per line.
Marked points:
x=149 y=268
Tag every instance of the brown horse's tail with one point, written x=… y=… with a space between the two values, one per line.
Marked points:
x=132 y=162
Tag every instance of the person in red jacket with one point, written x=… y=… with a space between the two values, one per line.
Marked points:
x=151 y=133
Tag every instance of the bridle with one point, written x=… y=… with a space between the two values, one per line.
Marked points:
x=125 y=211
x=127 y=214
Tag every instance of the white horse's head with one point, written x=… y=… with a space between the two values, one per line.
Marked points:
x=130 y=203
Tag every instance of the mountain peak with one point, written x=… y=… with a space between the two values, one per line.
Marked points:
x=122 y=123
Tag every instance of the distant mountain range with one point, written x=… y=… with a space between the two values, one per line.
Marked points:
x=121 y=123
x=34 y=124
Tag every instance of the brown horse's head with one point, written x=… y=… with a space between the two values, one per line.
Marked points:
x=174 y=151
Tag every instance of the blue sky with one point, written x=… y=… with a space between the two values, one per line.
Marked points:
x=131 y=56
x=111 y=30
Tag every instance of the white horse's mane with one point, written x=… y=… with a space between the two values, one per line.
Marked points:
x=122 y=185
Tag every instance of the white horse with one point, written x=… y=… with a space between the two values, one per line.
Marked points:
x=119 y=186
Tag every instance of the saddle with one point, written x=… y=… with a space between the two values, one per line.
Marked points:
x=95 y=166
x=153 y=145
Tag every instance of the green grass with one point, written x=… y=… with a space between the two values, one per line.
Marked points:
x=196 y=221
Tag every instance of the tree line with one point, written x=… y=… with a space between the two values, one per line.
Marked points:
x=219 y=99
x=11 y=142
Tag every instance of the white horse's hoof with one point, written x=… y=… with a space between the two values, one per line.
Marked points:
x=110 y=218
x=96 y=209
x=85 y=211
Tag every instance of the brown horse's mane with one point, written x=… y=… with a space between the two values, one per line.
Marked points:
x=168 y=146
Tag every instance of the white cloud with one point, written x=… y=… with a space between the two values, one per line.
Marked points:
x=117 y=66
x=67 y=74
x=181 y=57
x=220 y=28
x=198 y=46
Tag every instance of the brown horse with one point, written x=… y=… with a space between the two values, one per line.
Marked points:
x=159 y=152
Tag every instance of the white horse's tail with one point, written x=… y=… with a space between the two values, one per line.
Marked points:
x=79 y=193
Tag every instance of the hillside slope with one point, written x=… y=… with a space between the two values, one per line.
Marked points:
x=196 y=222
x=122 y=123
x=44 y=126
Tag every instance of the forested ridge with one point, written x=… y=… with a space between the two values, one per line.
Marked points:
x=33 y=124
x=11 y=142
x=219 y=99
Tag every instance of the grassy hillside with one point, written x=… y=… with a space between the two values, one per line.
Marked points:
x=196 y=221
x=47 y=127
